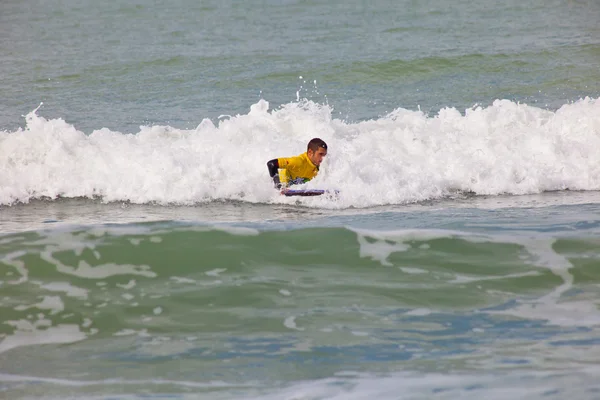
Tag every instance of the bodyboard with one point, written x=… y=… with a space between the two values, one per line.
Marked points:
x=302 y=192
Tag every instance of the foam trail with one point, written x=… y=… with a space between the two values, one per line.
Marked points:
x=553 y=307
x=405 y=156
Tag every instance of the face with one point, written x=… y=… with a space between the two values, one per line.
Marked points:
x=316 y=156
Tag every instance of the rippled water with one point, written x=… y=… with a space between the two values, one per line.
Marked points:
x=144 y=253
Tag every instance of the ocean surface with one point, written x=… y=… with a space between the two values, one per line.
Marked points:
x=144 y=253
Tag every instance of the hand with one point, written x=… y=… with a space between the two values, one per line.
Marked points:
x=298 y=181
x=276 y=181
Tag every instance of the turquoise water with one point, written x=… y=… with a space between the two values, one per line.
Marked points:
x=450 y=299
x=144 y=253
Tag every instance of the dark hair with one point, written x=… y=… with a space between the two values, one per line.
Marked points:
x=315 y=143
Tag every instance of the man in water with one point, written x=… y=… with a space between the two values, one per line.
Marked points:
x=298 y=169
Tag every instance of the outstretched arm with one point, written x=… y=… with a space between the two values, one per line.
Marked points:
x=273 y=166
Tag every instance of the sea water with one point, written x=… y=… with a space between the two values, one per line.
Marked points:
x=145 y=254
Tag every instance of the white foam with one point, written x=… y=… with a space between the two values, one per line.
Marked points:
x=290 y=322
x=419 y=312
x=131 y=332
x=67 y=288
x=551 y=307
x=84 y=270
x=215 y=272
x=27 y=334
x=379 y=250
x=569 y=314
x=545 y=256
x=469 y=279
x=52 y=303
x=12 y=259
x=180 y=279
x=402 y=157
x=379 y=245
x=119 y=381
x=413 y=271
x=128 y=285
x=492 y=386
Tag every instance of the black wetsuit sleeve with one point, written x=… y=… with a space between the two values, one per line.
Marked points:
x=273 y=166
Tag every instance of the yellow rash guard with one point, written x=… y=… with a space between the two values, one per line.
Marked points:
x=291 y=168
